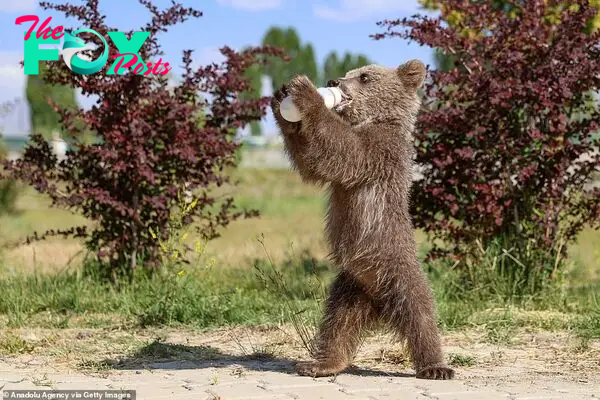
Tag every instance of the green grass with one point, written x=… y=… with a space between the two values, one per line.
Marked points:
x=239 y=296
x=159 y=350
x=461 y=360
x=37 y=288
x=11 y=344
x=202 y=299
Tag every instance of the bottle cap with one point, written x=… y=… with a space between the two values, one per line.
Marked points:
x=332 y=96
x=337 y=95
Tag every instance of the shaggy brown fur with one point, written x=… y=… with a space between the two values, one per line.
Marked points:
x=364 y=151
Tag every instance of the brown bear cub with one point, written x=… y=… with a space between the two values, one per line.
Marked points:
x=363 y=149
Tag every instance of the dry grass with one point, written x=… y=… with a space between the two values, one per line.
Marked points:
x=102 y=351
x=291 y=220
x=35 y=214
x=47 y=256
x=586 y=254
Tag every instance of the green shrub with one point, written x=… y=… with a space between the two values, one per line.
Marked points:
x=9 y=190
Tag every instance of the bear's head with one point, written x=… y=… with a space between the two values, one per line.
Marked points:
x=375 y=94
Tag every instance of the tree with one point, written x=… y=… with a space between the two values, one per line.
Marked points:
x=335 y=67
x=44 y=119
x=446 y=62
x=508 y=144
x=511 y=5
x=151 y=145
x=8 y=187
x=307 y=63
x=303 y=59
x=280 y=70
x=331 y=67
x=254 y=75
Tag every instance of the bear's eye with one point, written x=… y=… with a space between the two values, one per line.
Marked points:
x=364 y=78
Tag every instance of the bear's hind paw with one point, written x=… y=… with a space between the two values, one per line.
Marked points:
x=317 y=369
x=436 y=372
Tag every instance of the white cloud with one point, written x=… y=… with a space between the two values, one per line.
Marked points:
x=12 y=87
x=207 y=55
x=15 y=6
x=251 y=5
x=12 y=75
x=350 y=10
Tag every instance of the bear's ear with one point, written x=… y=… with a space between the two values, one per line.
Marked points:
x=412 y=73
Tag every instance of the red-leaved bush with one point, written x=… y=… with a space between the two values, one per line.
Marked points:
x=508 y=137
x=154 y=139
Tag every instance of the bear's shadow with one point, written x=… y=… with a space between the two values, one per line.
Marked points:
x=167 y=356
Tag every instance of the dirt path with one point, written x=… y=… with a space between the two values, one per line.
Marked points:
x=258 y=364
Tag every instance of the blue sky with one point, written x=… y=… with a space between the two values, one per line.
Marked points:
x=341 y=25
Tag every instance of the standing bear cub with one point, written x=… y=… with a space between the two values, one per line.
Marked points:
x=363 y=149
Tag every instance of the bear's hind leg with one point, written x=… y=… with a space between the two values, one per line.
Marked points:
x=408 y=306
x=347 y=313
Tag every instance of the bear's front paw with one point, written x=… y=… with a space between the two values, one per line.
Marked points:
x=317 y=369
x=303 y=93
x=436 y=372
x=278 y=97
x=286 y=126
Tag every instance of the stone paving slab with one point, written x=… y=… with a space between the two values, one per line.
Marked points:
x=544 y=369
x=229 y=383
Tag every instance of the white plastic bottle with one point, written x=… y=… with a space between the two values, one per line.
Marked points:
x=332 y=96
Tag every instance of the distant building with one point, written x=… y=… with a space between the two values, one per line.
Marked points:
x=59 y=146
x=14 y=145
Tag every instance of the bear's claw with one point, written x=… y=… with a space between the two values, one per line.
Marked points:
x=316 y=369
x=436 y=372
